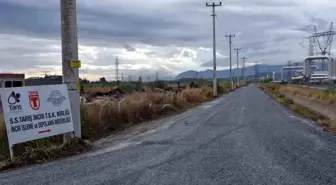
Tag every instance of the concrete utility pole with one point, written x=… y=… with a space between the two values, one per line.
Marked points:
x=213 y=5
x=243 y=71
x=230 y=44
x=237 y=50
x=273 y=76
x=70 y=70
x=289 y=74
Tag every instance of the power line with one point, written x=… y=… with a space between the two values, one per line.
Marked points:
x=230 y=44
x=213 y=5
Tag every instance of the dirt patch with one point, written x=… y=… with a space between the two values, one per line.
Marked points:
x=323 y=107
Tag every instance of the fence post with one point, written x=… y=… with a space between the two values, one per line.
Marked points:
x=11 y=153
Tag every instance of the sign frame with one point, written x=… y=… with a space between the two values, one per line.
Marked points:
x=36 y=112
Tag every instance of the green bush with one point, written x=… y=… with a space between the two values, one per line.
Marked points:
x=266 y=80
x=159 y=84
x=127 y=87
x=331 y=90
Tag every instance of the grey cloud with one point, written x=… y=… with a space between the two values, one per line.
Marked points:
x=20 y=54
x=109 y=74
x=129 y=48
x=165 y=25
x=219 y=62
x=187 y=54
x=207 y=64
x=28 y=20
x=268 y=52
x=101 y=27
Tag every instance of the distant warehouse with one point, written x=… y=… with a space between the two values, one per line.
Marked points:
x=8 y=80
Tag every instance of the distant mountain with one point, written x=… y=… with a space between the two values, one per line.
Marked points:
x=249 y=71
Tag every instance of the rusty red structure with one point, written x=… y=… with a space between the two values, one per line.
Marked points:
x=8 y=80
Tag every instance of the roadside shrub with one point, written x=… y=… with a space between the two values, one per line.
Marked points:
x=226 y=86
x=159 y=84
x=194 y=95
x=180 y=102
x=266 y=80
x=327 y=95
x=127 y=87
x=207 y=92
x=331 y=90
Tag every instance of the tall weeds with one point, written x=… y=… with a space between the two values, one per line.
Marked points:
x=319 y=94
x=138 y=107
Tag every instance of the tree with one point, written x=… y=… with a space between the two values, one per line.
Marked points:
x=140 y=79
x=84 y=81
x=102 y=80
x=159 y=84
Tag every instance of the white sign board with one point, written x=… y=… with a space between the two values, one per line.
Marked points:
x=36 y=112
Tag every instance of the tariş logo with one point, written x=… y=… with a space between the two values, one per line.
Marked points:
x=56 y=98
x=13 y=99
x=34 y=100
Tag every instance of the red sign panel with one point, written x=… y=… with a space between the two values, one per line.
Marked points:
x=34 y=100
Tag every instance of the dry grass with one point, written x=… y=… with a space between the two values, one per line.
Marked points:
x=37 y=155
x=138 y=107
x=97 y=89
x=276 y=91
x=2 y=127
x=310 y=92
x=195 y=95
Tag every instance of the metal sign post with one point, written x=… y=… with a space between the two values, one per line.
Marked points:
x=11 y=152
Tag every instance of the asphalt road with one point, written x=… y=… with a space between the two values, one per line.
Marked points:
x=241 y=138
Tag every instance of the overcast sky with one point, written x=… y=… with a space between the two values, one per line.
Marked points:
x=164 y=36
